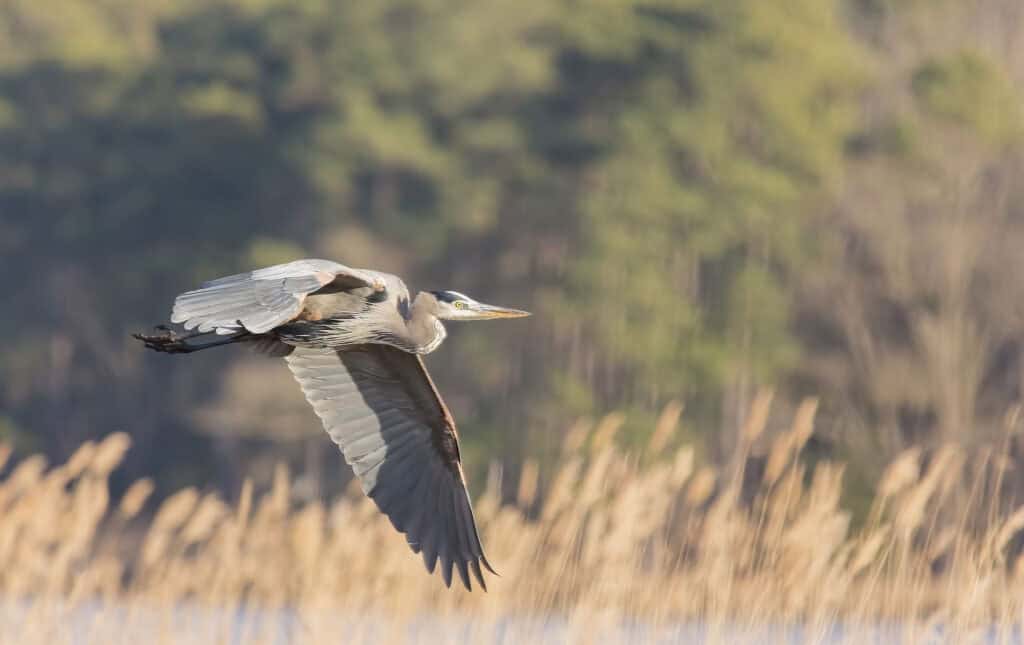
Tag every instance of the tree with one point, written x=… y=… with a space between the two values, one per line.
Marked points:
x=915 y=320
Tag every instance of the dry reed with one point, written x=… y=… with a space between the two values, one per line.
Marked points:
x=605 y=541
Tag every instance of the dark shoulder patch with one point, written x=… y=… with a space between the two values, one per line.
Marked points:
x=403 y=308
x=376 y=296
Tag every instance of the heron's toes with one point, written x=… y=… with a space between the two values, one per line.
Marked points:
x=168 y=342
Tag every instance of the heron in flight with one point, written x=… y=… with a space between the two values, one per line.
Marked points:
x=354 y=340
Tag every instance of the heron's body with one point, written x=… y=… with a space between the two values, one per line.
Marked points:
x=353 y=339
x=327 y=321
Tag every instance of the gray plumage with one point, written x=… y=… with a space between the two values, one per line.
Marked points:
x=353 y=340
x=262 y=299
x=380 y=406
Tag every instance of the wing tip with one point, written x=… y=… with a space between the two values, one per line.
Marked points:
x=430 y=561
x=463 y=569
x=487 y=565
x=468 y=570
x=446 y=571
x=474 y=564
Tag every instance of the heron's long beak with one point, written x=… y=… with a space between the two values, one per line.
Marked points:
x=484 y=312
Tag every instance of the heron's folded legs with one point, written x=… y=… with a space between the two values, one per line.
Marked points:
x=171 y=342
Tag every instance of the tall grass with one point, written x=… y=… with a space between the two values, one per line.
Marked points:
x=609 y=539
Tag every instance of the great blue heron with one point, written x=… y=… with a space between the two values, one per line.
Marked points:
x=353 y=340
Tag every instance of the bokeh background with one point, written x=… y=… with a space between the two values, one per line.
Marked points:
x=698 y=199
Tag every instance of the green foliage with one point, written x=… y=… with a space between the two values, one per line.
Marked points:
x=715 y=123
x=971 y=90
x=645 y=175
x=268 y=251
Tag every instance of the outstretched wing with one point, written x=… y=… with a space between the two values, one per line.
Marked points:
x=260 y=300
x=381 y=408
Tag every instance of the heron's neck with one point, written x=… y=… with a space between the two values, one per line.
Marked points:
x=425 y=331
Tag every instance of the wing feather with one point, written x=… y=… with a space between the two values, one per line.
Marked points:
x=421 y=518
x=381 y=408
x=260 y=300
x=433 y=535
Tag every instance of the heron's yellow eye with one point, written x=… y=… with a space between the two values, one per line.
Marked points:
x=459 y=304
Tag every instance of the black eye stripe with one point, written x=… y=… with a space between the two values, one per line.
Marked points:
x=448 y=296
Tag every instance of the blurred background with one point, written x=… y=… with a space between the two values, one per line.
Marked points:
x=697 y=199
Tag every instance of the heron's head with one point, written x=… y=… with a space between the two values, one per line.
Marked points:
x=452 y=305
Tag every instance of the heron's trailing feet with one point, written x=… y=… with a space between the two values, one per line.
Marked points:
x=171 y=342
